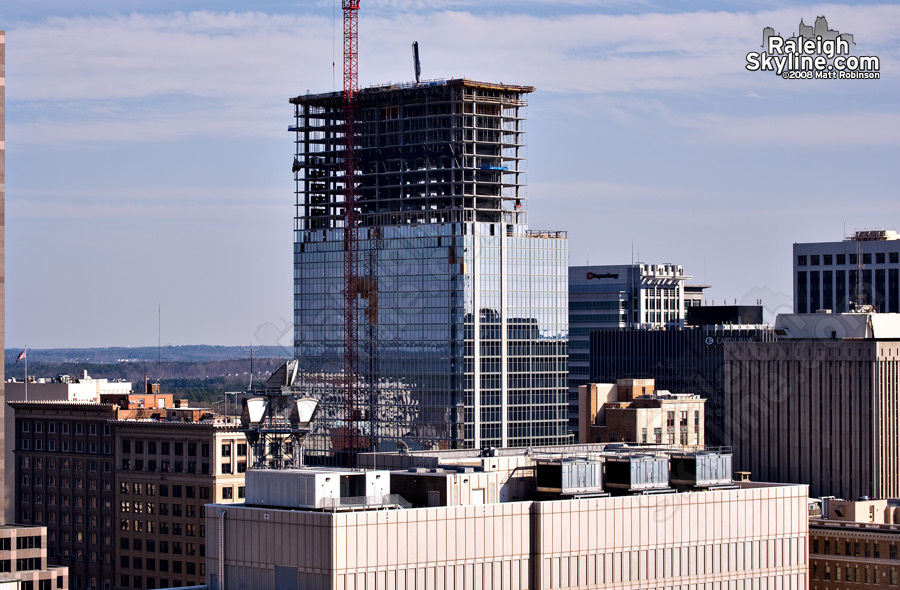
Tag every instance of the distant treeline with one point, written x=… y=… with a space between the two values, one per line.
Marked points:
x=124 y=354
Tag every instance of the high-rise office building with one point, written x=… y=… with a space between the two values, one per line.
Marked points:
x=820 y=405
x=689 y=359
x=462 y=310
x=618 y=297
x=863 y=269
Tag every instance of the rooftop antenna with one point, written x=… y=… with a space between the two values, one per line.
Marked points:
x=416 y=62
x=251 y=360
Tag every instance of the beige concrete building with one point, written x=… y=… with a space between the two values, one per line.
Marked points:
x=23 y=560
x=166 y=472
x=744 y=535
x=632 y=410
x=854 y=544
x=819 y=406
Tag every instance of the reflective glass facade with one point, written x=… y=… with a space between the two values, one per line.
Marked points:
x=462 y=311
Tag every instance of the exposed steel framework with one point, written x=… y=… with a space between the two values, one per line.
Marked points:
x=351 y=337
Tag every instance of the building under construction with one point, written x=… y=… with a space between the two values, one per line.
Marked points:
x=460 y=311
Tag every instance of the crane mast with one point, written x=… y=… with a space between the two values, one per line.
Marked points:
x=351 y=238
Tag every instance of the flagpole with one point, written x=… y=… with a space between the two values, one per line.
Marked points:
x=26 y=372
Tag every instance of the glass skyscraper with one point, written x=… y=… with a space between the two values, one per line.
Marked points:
x=462 y=310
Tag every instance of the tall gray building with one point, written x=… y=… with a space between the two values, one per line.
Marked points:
x=6 y=508
x=820 y=405
x=863 y=269
x=462 y=310
x=621 y=296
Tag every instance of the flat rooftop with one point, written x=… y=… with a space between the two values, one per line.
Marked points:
x=837 y=326
x=330 y=97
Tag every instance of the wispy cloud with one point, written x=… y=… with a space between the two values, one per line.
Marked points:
x=811 y=130
x=156 y=204
x=149 y=77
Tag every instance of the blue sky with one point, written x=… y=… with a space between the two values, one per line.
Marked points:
x=148 y=162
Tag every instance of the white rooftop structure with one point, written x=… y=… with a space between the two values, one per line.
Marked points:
x=872 y=235
x=826 y=325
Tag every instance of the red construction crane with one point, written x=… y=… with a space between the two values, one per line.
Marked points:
x=351 y=336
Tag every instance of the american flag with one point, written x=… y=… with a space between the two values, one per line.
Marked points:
x=21 y=356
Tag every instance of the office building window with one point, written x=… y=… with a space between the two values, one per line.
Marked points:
x=814 y=293
x=802 y=293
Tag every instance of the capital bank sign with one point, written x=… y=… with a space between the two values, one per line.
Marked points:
x=723 y=339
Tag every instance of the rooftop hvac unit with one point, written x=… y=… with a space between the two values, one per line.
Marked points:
x=701 y=469
x=635 y=473
x=568 y=477
x=315 y=488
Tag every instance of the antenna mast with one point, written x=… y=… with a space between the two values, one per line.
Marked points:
x=416 y=62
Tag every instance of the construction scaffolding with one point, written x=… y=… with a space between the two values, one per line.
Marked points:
x=435 y=152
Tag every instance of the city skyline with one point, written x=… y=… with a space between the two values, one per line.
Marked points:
x=146 y=166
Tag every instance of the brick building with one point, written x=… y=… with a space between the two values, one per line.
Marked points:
x=65 y=480
x=855 y=545
x=633 y=410
x=121 y=487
